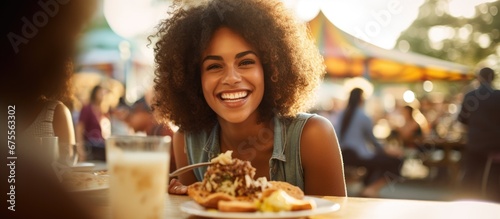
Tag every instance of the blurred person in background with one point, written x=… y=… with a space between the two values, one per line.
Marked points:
x=118 y=118
x=409 y=134
x=40 y=38
x=480 y=112
x=93 y=127
x=361 y=148
x=142 y=120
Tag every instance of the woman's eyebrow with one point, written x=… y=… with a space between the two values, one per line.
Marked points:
x=219 y=58
x=241 y=54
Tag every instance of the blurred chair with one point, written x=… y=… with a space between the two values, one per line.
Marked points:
x=493 y=158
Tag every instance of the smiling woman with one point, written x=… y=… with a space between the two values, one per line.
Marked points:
x=239 y=76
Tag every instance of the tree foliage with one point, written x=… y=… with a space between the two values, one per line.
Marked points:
x=464 y=40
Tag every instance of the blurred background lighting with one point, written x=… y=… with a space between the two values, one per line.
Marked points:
x=306 y=10
x=458 y=9
x=382 y=129
x=484 y=40
x=389 y=102
x=131 y=18
x=359 y=82
x=428 y=86
x=464 y=8
x=440 y=33
x=452 y=108
x=409 y=96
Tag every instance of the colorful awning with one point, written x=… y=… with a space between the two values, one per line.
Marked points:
x=348 y=56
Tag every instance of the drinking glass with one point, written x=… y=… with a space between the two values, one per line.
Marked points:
x=49 y=149
x=137 y=167
x=68 y=154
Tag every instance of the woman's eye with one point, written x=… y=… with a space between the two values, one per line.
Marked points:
x=247 y=62
x=213 y=66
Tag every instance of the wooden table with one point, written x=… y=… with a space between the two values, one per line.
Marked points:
x=381 y=208
x=353 y=208
x=350 y=207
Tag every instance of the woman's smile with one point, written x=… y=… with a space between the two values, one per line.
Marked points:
x=234 y=99
x=233 y=96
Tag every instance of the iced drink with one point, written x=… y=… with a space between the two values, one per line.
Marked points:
x=138 y=181
x=49 y=148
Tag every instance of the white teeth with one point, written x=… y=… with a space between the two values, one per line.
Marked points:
x=235 y=95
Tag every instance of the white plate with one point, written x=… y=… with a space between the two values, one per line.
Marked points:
x=323 y=206
x=83 y=167
x=85 y=181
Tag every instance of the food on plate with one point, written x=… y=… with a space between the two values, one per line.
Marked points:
x=275 y=200
x=227 y=179
x=237 y=206
x=80 y=181
x=101 y=173
x=229 y=186
x=290 y=189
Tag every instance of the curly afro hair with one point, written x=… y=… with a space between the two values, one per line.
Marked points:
x=292 y=65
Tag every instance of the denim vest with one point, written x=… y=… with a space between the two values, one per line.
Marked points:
x=285 y=163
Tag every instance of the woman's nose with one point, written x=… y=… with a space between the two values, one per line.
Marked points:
x=231 y=76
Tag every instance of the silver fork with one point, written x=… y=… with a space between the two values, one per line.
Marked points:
x=187 y=168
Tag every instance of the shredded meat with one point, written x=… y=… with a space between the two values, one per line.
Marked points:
x=234 y=179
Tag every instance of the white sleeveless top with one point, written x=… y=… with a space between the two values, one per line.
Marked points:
x=42 y=126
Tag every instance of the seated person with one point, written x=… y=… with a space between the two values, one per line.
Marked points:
x=411 y=132
x=141 y=119
x=361 y=148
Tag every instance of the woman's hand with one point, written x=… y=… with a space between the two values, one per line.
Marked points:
x=175 y=187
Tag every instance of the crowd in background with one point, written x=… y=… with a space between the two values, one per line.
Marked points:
x=467 y=120
x=405 y=122
x=98 y=120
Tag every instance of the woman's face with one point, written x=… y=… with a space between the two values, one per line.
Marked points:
x=99 y=96
x=232 y=77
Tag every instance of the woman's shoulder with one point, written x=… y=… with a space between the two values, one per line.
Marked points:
x=306 y=123
x=60 y=110
x=318 y=136
x=317 y=123
x=302 y=119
